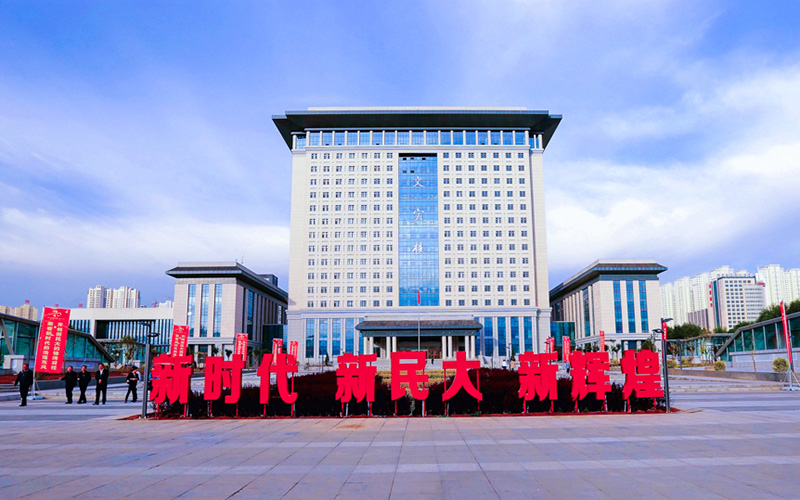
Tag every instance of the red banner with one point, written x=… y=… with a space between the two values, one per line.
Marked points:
x=293 y=348
x=787 y=338
x=277 y=346
x=241 y=345
x=180 y=341
x=602 y=341
x=565 y=349
x=664 y=332
x=52 y=340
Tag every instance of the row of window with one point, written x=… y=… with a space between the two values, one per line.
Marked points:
x=389 y=288
x=413 y=138
x=377 y=155
x=446 y=206
x=447 y=234
x=389 y=303
x=389 y=220
x=389 y=275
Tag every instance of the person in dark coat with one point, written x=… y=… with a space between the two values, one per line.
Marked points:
x=133 y=380
x=25 y=381
x=102 y=383
x=84 y=377
x=70 y=380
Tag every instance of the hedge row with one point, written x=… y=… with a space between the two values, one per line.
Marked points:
x=317 y=393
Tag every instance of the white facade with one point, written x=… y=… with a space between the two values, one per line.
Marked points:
x=780 y=284
x=738 y=298
x=687 y=295
x=96 y=297
x=483 y=224
x=620 y=297
x=120 y=298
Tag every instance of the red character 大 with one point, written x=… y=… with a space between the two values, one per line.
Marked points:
x=537 y=376
x=589 y=374
x=461 y=378
x=283 y=365
x=409 y=373
x=642 y=374
x=355 y=377
x=220 y=374
x=171 y=378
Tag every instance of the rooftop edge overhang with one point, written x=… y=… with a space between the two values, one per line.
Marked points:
x=228 y=271
x=650 y=269
x=426 y=328
x=537 y=121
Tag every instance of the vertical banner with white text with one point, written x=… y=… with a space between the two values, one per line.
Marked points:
x=241 y=346
x=180 y=341
x=52 y=340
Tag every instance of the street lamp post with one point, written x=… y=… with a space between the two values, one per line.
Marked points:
x=663 y=332
x=148 y=336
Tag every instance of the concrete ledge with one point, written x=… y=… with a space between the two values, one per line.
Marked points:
x=733 y=375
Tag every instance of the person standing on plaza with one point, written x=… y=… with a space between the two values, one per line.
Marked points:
x=70 y=380
x=25 y=381
x=102 y=383
x=84 y=377
x=133 y=380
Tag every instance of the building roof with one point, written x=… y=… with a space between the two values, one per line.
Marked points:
x=226 y=270
x=429 y=327
x=604 y=267
x=410 y=117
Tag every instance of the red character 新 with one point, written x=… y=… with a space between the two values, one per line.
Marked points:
x=461 y=378
x=283 y=365
x=220 y=374
x=171 y=378
x=537 y=376
x=408 y=373
x=355 y=377
x=642 y=374
x=589 y=374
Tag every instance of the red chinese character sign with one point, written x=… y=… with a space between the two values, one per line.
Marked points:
x=180 y=340
x=281 y=365
x=355 y=377
x=408 y=368
x=52 y=340
x=240 y=349
x=171 y=379
x=642 y=374
x=590 y=375
x=538 y=377
x=221 y=374
x=461 y=379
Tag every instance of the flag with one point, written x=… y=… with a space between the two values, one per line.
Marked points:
x=419 y=296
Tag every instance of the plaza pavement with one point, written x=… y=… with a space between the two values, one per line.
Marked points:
x=734 y=445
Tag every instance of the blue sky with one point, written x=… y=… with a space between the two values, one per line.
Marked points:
x=134 y=135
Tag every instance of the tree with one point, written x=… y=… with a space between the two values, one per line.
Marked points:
x=649 y=344
x=774 y=311
x=214 y=350
x=684 y=331
x=128 y=347
x=228 y=353
x=742 y=324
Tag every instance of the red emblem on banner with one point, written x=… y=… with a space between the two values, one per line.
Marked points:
x=409 y=368
x=461 y=379
x=355 y=377
x=642 y=374
x=537 y=376
x=171 y=379
x=602 y=341
x=180 y=340
x=589 y=374
x=240 y=348
x=52 y=340
x=277 y=346
x=221 y=374
x=281 y=365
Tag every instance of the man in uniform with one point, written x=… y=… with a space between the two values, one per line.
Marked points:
x=102 y=383
x=133 y=380
x=70 y=379
x=84 y=377
x=25 y=381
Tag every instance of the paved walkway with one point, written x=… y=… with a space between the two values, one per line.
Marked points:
x=55 y=451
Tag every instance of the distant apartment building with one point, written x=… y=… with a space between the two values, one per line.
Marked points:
x=618 y=297
x=737 y=299
x=121 y=298
x=686 y=295
x=779 y=284
x=26 y=311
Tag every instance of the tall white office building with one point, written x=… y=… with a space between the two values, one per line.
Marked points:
x=417 y=221
x=96 y=297
x=780 y=284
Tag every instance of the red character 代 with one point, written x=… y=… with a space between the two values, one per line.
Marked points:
x=642 y=374
x=589 y=374
x=284 y=364
x=220 y=374
x=461 y=378
x=537 y=376
x=171 y=378
x=355 y=377
x=408 y=373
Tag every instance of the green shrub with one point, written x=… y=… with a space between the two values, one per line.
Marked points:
x=671 y=363
x=780 y=364
x=719 y=366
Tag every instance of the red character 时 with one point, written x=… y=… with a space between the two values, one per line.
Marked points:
x=220 y=374
x=642 y=374
x=405 y=370
x=461 y=378
x=537 y=376
x=355 y=377
x=589 y=374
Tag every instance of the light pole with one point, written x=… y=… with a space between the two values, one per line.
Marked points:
x=148 y=336
x=663 y=332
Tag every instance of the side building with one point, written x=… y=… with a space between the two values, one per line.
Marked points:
x=217 y=300
x=410 y=222
x=621 y=298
